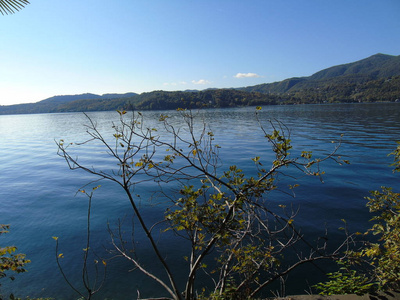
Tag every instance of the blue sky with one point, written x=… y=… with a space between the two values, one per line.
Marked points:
x=64 y=47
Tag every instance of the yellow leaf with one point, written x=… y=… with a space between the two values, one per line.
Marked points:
x=104 y=262
x=60 y=255
x=55 y=238
x=194 y=152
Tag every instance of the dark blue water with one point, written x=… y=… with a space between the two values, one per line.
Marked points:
x=38 y=192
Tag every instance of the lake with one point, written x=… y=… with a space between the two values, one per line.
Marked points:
x=39 y=196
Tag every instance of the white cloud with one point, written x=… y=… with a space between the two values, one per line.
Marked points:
x=174 y=83
x=201 y=81
x=246 y=75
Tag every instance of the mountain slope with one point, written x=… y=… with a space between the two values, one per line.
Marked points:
x=55 y=103
x=376 y=78
x=374 y=67
x=68 y=98
x=87 y=96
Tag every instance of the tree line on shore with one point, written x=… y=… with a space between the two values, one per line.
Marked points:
x=348 y=89
x=373 y=79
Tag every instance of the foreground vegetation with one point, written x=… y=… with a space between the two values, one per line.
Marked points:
x=374 y=266
x=235 y=236
x=10 y=261
x=225 y=211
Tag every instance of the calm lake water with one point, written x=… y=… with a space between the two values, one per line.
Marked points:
x=38 y=192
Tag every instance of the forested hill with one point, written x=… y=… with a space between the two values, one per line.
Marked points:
x=376 y=78
x=376 y=67
x=88 y=96
x=54 y=104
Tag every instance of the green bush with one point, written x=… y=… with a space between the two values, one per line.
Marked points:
x=381 y=259
x=10 y=261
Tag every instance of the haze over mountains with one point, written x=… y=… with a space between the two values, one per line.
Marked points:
x=376 y=78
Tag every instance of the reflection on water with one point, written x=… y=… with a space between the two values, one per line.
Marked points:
x=38 y=191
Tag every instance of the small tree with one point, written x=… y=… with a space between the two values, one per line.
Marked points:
x=9 y=260
x=222 y=212
x=376 y=263
x=92 y=283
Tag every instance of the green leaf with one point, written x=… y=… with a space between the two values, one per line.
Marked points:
x=12 y=6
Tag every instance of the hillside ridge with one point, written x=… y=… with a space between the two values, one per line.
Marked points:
x=374 y=67
x=375 y=78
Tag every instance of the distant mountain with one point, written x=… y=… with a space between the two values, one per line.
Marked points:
x=54 y=104
x=117 y=96
x=376 y=78
x=68 y=98
x=372 y=68
x=87 y=96
x=164 y=100
x=376 y=66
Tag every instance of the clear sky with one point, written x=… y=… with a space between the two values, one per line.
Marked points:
x=65 y=47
